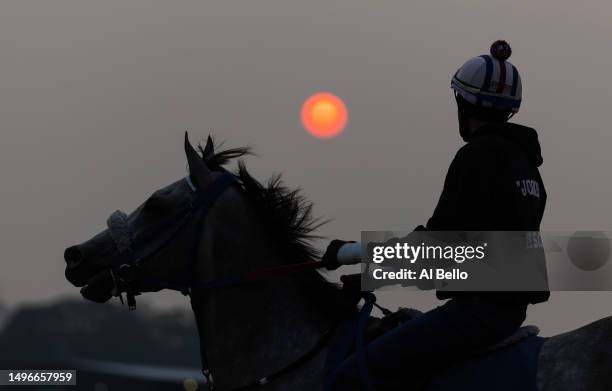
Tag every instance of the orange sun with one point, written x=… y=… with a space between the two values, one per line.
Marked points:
x=324 y=115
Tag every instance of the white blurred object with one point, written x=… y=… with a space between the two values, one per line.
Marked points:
x=349 y=254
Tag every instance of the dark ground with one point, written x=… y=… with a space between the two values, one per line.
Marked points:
x=74 y=334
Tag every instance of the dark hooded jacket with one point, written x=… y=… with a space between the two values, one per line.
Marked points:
x=493 y=184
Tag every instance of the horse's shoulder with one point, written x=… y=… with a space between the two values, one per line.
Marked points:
x=578 y=360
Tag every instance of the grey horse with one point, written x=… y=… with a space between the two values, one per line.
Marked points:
x=249 y=331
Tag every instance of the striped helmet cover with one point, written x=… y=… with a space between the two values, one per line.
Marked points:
x=488 y=82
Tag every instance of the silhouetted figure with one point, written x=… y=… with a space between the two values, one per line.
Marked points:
x=493 y=184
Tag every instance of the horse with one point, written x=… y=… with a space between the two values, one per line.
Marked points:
x=242 y=251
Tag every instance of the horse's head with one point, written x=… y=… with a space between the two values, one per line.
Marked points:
x=207 y=235
x=134 y=254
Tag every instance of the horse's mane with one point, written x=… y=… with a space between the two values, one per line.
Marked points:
x=287 y=215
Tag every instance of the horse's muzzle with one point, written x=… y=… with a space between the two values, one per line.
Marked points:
x=85 y=260
x=73 y=256
x=75 y=271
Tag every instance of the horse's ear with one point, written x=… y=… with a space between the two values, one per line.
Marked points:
x=209 y=149
x=199 y=173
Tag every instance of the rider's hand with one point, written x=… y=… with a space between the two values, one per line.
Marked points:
x=330 y=258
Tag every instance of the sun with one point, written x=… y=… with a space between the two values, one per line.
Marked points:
x=324 y=115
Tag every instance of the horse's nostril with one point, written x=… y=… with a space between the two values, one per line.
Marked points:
x=73 y=256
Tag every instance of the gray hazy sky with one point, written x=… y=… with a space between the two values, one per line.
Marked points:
x=94 y=97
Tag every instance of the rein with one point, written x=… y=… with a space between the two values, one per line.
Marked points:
x=125 y=275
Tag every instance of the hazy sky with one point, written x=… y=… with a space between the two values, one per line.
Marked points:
x=95 y=96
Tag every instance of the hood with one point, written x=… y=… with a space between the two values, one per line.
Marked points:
x=525 y=137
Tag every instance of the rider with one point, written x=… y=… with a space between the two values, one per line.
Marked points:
x=483 y=191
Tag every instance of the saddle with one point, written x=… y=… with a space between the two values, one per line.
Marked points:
x=507 y=365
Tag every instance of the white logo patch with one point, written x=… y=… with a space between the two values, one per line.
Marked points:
x=528 y=187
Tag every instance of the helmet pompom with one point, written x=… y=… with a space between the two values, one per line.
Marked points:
x=501 y=50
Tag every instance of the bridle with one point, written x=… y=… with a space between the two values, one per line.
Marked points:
x=126 y=275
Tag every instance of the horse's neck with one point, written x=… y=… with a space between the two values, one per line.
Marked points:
x=253 y=331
